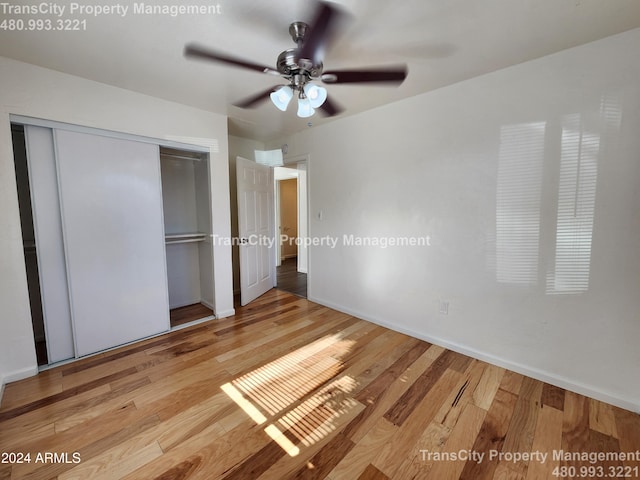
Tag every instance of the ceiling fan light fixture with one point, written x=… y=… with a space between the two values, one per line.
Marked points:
x=316 y=95
x=282 y=97
x=304 y=107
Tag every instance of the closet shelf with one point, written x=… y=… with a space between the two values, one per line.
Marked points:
x=184 y=238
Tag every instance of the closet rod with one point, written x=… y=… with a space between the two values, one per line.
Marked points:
x=181 y=157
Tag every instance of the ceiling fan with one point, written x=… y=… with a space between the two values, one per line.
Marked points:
x=302 y=64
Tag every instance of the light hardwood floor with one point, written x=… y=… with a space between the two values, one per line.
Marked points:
x=183 y=315
x=290 y=389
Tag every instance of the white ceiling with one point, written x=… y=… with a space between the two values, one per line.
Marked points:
x=442 y=41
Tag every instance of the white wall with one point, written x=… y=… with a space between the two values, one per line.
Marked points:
x=37 y=92
x=487 y=168
x=245 y=148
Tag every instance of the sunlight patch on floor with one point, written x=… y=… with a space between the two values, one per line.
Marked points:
x=292 y=393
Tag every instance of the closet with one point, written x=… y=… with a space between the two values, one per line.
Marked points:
x=187 y=224
x=116 y=230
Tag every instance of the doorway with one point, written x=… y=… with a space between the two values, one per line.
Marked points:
x=291 y=222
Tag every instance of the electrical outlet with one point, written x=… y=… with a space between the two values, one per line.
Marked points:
x=444 y=307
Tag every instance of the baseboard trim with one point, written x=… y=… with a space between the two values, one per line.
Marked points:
x=226 y=313
x=15 y=376
x=541 y=375
x=185 y=304
x=195 y=322
x=207 y=304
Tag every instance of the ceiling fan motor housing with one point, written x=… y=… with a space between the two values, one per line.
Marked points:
x=289 y=62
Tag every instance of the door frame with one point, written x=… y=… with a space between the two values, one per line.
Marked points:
x=277 y=210
x=291 y=162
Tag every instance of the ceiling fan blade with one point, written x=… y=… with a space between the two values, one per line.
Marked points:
x=321 y=31
x=330 y=108
x=196 y=51
x=254 y=100
x=395 y=74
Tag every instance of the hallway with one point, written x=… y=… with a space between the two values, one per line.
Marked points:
x=290 y=280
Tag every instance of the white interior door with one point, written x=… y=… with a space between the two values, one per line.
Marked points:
x=111 y=204
x=255 y=227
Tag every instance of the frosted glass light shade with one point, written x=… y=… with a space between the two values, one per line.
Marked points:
x=282 y=97
x=316 y=95
x=304 y=108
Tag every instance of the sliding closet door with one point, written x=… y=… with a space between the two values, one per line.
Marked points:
x=111 y=203
x=49 y=245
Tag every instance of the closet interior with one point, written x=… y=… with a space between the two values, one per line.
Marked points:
x=186 y=202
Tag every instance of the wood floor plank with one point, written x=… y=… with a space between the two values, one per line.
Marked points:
x=77 y=379
x=575 y=428
x=114 y=463
x=359 y=459
x=188 y=313
x=273 y=333
x=39 y=423
x=488 y=386
x=602 y=418
x=291 y=466
x=204 y=455
x=461 y=395
x=203 y=416
x=114 y=430
x=599 y=442
x=462 y=437
x=628 y=429
x=406 y=438
x=519 y=437
x=370 y=362
x=130 y=350
x=372 y=473
x=157 y=436
x=291 y=389
x=319 y=466
x=92 y=408
x=421 y=460
x=491 y=436
x=63 y=395
x=547 y=439
x=382 y=393
x=575 y=425
x=278 y=349
x=18 y=393
x=553 y=396
x=259 y=462
x=5 y=471
x=168 y=390
x=511 y=382
x=406 y=404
